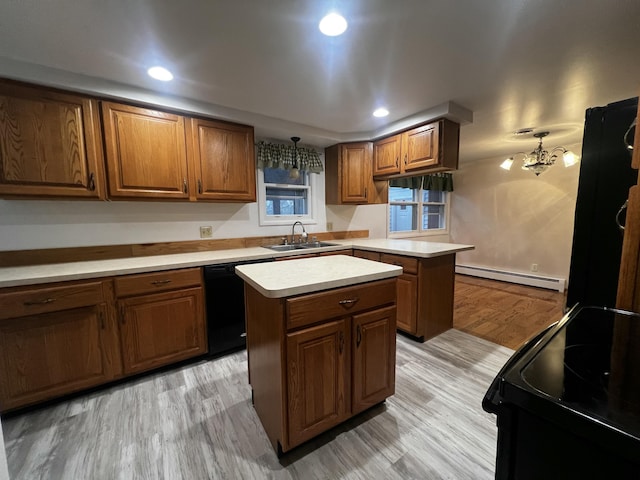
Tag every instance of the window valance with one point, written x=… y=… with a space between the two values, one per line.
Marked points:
x=279 y=155
x=442 y=182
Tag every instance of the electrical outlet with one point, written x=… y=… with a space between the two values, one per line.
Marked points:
x=329 y=226
x=534 y=267
x=206 y=232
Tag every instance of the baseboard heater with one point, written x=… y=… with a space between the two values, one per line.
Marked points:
x=513 y=277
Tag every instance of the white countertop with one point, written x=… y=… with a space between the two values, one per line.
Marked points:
x=306 y=275
x=58 y=272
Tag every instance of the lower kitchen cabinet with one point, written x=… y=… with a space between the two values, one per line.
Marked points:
x=163 y=321
x=55 y=340
x=374 y=358
x=424 y=291
x=318 y=379
x=316 y=360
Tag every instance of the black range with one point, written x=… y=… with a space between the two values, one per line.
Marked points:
x=568 y=402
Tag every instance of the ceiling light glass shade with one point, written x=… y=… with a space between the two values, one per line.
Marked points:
x=569 y=158
x=380 y=112
x=333 y=25
x=507 y=163
x=160 y=73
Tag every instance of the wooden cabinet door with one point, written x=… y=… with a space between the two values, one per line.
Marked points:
x=374 y=357
x=161 y=328
x=146 y=152
x=355 y=170
x=407 y=290
x=386 y=156
x=318 y=379
x=223 y=161
x=48 y=355
x=50 y=144
x=420 y=147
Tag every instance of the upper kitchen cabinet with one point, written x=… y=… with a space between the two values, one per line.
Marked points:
x=425 y=149
x=50 y=144
x=146 y=152
x=223 y=161
x=348 y=177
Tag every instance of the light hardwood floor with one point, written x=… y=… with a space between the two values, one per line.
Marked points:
x=197 y=422
x=504 y=313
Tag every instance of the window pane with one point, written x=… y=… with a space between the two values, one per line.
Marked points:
x=278 y=175
x=432 y=196
x=287 y=201
x=432 y=217
x=400 y=194
x=403 y=218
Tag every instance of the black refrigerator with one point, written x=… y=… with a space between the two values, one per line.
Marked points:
x=605 y=178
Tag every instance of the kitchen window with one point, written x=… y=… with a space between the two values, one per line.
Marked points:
x=282 y=199
x=417 y=210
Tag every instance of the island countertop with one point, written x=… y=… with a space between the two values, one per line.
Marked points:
x=306 y=275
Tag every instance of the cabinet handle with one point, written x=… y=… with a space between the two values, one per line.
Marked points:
x=160 y=282
x=199 y=186
x=102 y=320
x=341 y=342
x=92 y=182
x=39 y=302
x=122 y=320
x=365 y=192
x=349 y=302
x=185 y=188
x=397 y=161
x=405 y=158
x=358 y=336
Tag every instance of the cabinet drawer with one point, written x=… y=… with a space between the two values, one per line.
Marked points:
x=49 y=299
x=375 y=256
x=408 y=264
x=157 y=282
x=309 y=309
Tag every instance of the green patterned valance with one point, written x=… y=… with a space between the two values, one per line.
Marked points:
x=279 y=155
x=442 y=182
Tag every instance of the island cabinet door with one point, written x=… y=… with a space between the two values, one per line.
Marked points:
x=318 y=379
x=374 y=357
x=161 y=328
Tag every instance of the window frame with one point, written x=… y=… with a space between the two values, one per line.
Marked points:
x=419 y=205
x=312 y=201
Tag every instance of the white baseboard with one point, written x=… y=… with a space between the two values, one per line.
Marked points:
x=550 y=283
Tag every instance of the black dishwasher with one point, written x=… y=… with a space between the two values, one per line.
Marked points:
x=224 y=292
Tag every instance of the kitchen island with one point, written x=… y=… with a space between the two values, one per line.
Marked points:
x=320 y=342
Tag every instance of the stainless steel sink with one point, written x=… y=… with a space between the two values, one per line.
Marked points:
x=300 y=246
x=285 y=248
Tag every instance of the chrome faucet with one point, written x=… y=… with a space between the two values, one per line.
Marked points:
x=303 y=236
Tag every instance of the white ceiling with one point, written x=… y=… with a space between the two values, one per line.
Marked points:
x=513 y=63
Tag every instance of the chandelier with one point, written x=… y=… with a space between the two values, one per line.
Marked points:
x=539 y=160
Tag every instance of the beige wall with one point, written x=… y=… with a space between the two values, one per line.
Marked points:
x=514 y=218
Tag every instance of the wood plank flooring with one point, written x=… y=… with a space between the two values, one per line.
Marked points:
x=197 y=422
x=504 y=313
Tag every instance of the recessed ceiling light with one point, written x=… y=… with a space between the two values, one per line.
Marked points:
x=160 y=73
x=380 y=112
x=333 y=25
